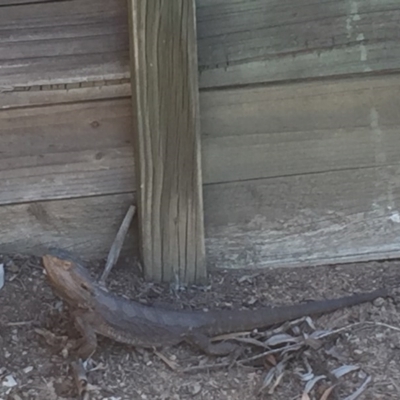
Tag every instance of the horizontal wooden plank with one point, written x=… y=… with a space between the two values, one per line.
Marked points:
x=315 y=219
x=71 y=93
x=324 y=218
x=243 y=42
x=85 y=225
x=239 y=42
x=251 y=133
x=85 y=150
x=10 y=3
x=66 y=151
x=56 y=43
x=300 y=128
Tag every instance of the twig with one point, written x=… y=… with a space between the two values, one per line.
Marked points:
x=20 y=323
x=266 y=353
x=80 y=377
x=347 y=327
x=393 y=328
x=198 y=368
x=173 y=365
x=117 y=245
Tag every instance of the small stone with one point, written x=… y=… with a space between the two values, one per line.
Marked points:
x=28 y=369
x=379 y=302
x=358 y=352
x=12 y=267
x=173 y=357
x=195 y=389
x=251 y=301
x=390 y=387
x=9 y=381
x=7 y=354
x=362 y=375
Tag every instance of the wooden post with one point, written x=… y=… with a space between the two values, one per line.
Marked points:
x=164 y=78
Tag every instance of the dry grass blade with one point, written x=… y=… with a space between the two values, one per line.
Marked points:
x=229 y=336
x=266 y=353
x=1 y=276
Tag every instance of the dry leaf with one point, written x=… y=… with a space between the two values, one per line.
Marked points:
x=282 y=338
x=360 y=390
x=305 y=396
x=327 y=392
x=275 y=385
x=343 y=370
x=271 y=359
x=268 y=379
x=312 y=382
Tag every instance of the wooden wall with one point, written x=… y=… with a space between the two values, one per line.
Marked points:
x=300 y=128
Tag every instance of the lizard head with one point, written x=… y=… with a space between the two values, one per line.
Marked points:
x=71 y=281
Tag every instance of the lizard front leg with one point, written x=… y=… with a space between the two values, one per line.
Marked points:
x=87 y=344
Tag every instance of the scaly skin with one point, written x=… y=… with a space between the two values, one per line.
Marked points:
x=96 y=311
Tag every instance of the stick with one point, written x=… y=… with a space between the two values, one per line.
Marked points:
x=117 y=245
x=80 y=378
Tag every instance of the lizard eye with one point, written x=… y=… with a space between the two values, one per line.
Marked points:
x=84 y=286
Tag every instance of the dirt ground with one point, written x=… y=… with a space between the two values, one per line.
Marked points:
x=33 y=366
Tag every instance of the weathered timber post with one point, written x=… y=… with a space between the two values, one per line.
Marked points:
x=164 y=77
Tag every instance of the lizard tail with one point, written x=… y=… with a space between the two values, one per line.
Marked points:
x=234 y=321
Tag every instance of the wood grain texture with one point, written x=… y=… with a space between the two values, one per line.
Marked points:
x=314 y=219
x=296 y=129
x=64 y=42
x=72 y=93
x=86 y=226
x=251 y=133
x=10 y=3
x=167 y=140
x=243 y=42
x=239 y=42
x=324 y=218
x=65 y=151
